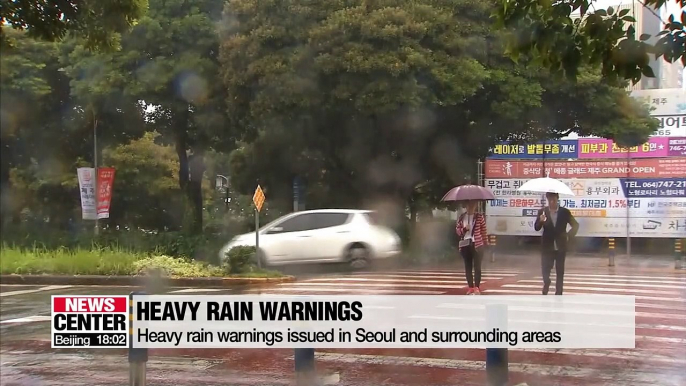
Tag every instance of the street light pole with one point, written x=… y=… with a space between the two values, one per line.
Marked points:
x=95 y=167
x=628 y=207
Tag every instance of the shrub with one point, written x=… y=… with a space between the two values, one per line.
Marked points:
x=240 y=259
x=175 y=267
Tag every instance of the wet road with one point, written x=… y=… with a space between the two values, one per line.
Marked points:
x=659 y=358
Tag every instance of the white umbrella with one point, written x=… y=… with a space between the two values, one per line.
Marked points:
x=546 y=185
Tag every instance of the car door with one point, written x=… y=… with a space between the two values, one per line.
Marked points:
x=282 y=241
x=327 y=236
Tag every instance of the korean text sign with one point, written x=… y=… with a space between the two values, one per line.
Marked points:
x=657 y=207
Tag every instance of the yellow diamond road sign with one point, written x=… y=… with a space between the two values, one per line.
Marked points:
x=258 y=198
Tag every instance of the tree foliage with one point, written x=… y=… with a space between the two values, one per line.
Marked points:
x=549 y=33
x=380 y=98
x=369 y=103
x=99 y=22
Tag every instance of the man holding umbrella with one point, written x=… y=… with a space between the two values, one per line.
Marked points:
x=554 y=221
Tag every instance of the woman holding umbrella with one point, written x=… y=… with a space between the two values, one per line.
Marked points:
x=471 y=228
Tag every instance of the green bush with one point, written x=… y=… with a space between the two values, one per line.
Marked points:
x=110 y=262
x=240 y=259
x=174 y=267
x=105 y=261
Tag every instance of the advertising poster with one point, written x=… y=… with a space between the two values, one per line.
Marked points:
x=656 y=207
x=590 y=148
x=95 y=207
x=616 y=168
x=668 y=106
x=105 y=183
x=87 y=189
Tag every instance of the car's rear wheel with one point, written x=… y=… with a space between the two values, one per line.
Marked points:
x=359 y=256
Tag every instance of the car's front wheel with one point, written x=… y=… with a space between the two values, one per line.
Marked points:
x=359 y=256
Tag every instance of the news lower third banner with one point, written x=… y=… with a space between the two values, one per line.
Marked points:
x=334 y=321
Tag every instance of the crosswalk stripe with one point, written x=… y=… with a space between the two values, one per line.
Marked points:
x=29 y=319
x=442 y=277
x=30 y=291
x=346 y=290
x=624 y=378
x=677 y=278
x=617 y=280
x=660 y=339
x=193 y=290
x=566 y=292
x=661 y=327
x=439 y=273
x=380 y=285
x=375 y=280
x=643 y=285
x=640 y=354
x=598 y=289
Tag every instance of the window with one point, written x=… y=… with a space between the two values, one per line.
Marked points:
x=310 y=221
x=295 y=224
x=328 y=220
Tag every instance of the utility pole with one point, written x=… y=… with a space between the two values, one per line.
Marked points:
x=628 y=207
x=95 y=166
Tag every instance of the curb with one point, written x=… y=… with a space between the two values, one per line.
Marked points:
x=97 y=280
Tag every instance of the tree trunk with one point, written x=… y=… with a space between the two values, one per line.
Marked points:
x=194 y=189
x=181 y=145
x=191 y=170
x=5 y=187
x=412 y=203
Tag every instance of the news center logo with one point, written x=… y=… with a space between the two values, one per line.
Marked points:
x=90 y=321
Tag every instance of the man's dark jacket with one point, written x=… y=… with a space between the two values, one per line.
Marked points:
x=557 y=232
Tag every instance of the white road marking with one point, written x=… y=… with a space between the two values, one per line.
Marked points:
x=439 y=273
x=643 y=285
x=655 y=278
x=629 y=354
x=529 y=292
x=598 y=289
x=433 y=277
x=346 y=290
x=624 y=378
x=660 y=339
x=451 y=283
x=367 y=285
x=662 y=327
x=192 y=290
x=29 y=319
x=41 y=289
x=602 y=280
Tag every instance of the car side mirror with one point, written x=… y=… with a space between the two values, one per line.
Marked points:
x=276 y=230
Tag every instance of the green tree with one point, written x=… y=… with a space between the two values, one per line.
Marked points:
x=47 y=132
x=565 y=36
x=171 y=59
x=146 y=189
x=167 y=63
x=372 y=101
x=98 y=21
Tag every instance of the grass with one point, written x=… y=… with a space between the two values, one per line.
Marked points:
x=110 y=262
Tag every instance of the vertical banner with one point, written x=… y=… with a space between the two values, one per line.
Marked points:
x=87 y=189
x=105 y=182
